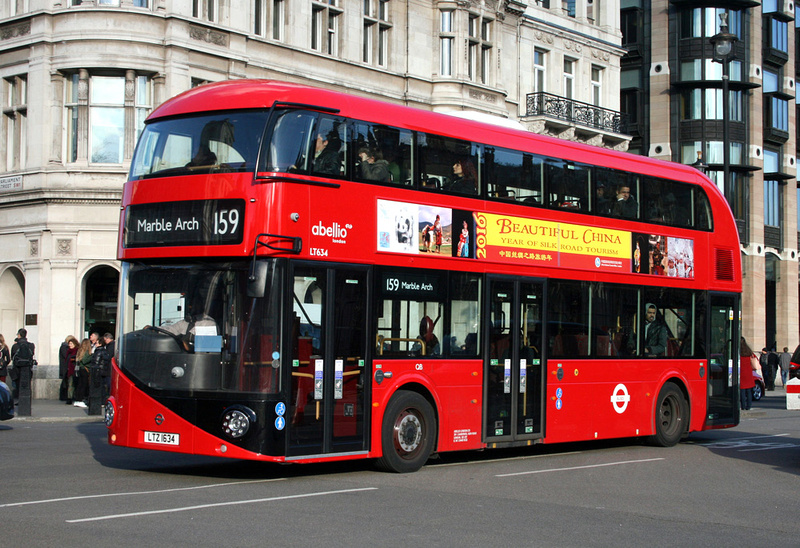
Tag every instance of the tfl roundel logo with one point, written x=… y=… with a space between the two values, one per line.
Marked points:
x=620 y=398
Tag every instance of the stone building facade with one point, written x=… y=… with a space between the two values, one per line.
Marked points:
x=80 y=76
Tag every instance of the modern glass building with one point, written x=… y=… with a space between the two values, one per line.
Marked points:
x=672 y=88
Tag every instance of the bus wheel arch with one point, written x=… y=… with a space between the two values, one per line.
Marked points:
x=409 y=430
x=671 y=414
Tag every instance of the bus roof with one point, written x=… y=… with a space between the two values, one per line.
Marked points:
x=263 y=94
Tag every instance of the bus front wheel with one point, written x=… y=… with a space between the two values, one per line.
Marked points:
x=408 y=433
x=672 y=416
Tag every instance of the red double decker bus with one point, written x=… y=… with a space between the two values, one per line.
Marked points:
x=311 y=276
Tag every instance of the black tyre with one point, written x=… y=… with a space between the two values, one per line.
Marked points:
x=758 y=391
x=672 y=416
x=408 y=433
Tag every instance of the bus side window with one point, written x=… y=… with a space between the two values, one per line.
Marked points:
x=381 y=154
x=568 y=326
x=464 y=306
x=702 y=211
x=454 y=163
x=509 y=176
x=568 y=184
x=329 y=147
x=614 y=312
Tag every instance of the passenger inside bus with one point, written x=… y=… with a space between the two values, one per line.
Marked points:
x=373 y=166
x=426 y=334
x=326 y=154
x=465 y=177
x=204 y=157
x=626 y=205
x=603 y=201
x=655 y=332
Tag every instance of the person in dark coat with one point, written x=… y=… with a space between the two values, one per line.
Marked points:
x=22 y=353
x=773 y=363
x=326 y=154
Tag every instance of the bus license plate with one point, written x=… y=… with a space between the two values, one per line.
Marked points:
x=162 y=438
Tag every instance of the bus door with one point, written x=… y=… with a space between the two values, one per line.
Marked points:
x=723 y=360
x=513 y=370
x=327 y=323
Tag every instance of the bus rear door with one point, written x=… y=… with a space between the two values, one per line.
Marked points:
x=723 y=363
x=513 y=371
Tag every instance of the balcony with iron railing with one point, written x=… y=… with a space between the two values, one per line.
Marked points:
x=563 y=111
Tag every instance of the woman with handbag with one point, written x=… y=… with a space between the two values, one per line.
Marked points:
x=747 y=363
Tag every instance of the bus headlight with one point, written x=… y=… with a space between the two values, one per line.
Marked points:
x=108 y=417
x=236 y=421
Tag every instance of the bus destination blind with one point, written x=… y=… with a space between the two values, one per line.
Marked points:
x=197 y=222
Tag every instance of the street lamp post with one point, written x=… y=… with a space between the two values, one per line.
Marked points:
x=698 y=164
x=722 y=43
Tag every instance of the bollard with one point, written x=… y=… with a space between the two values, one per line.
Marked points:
x=793 y=394
x=24 y=391
x=95 y=391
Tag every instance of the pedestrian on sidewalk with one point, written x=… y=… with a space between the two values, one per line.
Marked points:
x=747 y=364
x=785 y=361
x=22 y=355
x=83 y=359
x=773 y=360
x=5 y=359
x=69 y=374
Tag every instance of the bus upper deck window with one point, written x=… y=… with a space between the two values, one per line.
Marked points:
x=290 y=142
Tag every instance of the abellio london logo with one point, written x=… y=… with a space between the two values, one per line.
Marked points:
x=336 y=232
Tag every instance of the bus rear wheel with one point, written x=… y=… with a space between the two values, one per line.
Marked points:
x=672 y=416
x=408 y=433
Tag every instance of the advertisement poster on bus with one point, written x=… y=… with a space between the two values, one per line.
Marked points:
x=663 y=256
x=412 y=228
x=417 y=229
x=535 y=242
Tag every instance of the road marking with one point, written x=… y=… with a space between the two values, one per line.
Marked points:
x=218 y=504
x=577 y=467
x=748 y=444
x=507 y=459
x=103 y=495
x=729 y=440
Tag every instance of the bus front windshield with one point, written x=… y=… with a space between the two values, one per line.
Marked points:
x=194 y=328
x=225 y=142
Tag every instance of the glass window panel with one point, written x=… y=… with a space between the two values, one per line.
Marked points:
x=407 y=325
x=771 y=203
x=770 y=81
x=449 y=164
x=567 y=184
x=463 y=338
x=771 y=161
x=512 y=175
x=382 y=153
x=613 y=327
x=568 y=329
x=692 y=70
x=107 y=90
x=631 y=78
x=108 y=134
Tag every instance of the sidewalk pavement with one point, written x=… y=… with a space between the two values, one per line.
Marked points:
x=57 y=411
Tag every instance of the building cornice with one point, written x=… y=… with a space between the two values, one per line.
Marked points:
x=55 y=196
